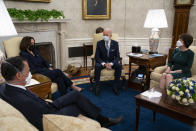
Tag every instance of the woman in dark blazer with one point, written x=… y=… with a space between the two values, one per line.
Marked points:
x=39 y=65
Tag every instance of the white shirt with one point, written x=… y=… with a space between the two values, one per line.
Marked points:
x=18 y=86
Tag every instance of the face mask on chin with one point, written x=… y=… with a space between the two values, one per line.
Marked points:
x=28 y=79
x=106 y=38
x=179 y=43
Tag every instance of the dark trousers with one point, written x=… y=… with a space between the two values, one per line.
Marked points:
x=98 y=67
x=60 y=78
x=74 y=103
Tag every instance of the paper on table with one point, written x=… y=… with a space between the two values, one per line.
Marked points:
x=151 y=94
x=135 y=54
x=156 y=55
x=33 y=82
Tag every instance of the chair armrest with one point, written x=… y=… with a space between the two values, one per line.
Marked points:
x=160 y=69
x=41 y=78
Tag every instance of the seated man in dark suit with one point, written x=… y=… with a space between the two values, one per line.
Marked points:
x=107 y=56
x=15 y=71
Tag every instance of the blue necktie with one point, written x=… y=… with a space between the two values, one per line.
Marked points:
x=108 y=49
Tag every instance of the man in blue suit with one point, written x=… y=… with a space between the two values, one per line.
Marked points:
x=107 y=56
x=16 y=73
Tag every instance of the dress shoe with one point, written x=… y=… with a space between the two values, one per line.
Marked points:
x=112 y=121
x=116 y=92
x=97 y=91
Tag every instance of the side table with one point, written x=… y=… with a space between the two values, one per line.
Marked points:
x=44 y=88
x=146 y=60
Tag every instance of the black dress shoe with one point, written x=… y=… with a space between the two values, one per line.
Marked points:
x=112 y=121
x=97 y=91
x=116 y=92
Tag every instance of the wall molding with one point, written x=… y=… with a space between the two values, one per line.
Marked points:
x=125 y=45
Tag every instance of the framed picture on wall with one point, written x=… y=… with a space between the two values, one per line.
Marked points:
x=96 y=9
x=34 y=0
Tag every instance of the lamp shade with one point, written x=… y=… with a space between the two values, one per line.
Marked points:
x=6 y=25
x=156 y=18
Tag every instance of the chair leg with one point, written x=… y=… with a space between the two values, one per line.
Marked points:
x=123 y=83
x=91 y=83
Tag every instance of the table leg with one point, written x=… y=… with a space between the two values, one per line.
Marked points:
x=130 y=68
x=154 y=116
x=137 y=115
x=148 y=75
x=84 y=50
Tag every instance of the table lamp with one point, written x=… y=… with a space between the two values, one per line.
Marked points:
x=6 y=27
x=155 y=19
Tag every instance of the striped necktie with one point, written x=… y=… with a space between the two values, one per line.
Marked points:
x=108 y=49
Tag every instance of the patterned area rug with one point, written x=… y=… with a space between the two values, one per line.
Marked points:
x=80 y=80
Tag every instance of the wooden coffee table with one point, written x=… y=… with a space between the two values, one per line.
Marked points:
x=165 y=105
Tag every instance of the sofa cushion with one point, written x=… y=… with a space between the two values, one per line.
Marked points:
x=9 y=123
x=12 y=46
x=9 y=110
x=68 y=123
x=106 y=74
x=90 y=121
x=8 y=114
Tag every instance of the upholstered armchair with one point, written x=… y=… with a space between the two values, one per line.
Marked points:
x=156 y=74
x=12 y=48
x=106 y=75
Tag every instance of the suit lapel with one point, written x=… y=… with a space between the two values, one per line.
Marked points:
x=103 y=48
x=111 y=47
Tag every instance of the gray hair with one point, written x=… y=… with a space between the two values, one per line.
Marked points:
x=108 y=29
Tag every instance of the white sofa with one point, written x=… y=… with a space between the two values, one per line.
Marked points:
x=13 y=120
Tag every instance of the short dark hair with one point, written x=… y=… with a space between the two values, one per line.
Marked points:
x=25 y=43
x=11 y=66
x=99 y=30
x=187 y=38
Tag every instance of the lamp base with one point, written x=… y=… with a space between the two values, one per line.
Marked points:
x=150 y=52
x=154 y=41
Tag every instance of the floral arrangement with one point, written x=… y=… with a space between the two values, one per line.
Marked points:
x=183 y=90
